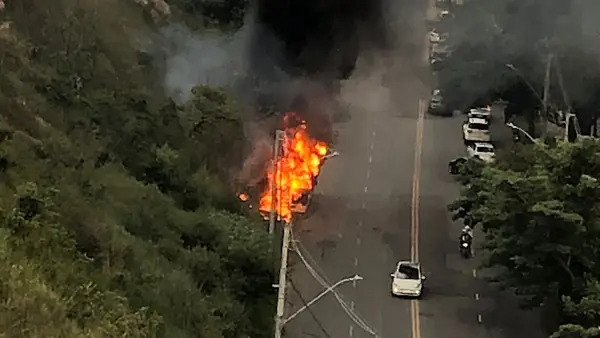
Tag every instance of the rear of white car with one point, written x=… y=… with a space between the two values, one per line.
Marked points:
x=483 y=151
x=407 y=280
x=481 y=113
x=476 y=130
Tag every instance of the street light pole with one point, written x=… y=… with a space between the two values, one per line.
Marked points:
x=513 y=126
x=354 y=278
x=533 y=90
x=546 y=94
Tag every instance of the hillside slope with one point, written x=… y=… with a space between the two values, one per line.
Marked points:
x=116 y=216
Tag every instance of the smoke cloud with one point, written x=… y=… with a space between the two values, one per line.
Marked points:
x=301 y=56
x=210 y=58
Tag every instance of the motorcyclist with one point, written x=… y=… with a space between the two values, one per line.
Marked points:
x=468 y=231
x=466 y=237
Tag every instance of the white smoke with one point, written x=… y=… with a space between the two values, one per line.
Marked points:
x=212 y=58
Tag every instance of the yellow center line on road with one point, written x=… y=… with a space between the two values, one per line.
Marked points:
x=414 y=244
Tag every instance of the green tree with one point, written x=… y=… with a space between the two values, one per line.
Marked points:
x=538 y=210
x=485 y=36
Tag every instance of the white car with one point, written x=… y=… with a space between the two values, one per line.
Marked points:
x=443 y=14
x=434 y=37
x=476 y=130
x=483 y=151
x=407 y=280
x=482 y=113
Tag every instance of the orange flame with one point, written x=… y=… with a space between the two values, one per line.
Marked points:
x=292 y=175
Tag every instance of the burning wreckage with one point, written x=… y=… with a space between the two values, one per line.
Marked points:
x=292 y=176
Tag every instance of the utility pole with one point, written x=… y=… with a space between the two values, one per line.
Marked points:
x=545 y=107
x=279 y=136
x=282 y=280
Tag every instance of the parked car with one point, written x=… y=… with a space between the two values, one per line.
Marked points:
x=476 y=130
x=456 y=164
x=437 y=105
x=436 y=37
x=481 y=113
x=482 y=150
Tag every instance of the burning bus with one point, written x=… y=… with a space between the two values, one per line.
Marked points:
x=291 y=178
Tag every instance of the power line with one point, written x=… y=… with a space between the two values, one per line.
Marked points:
x=325 y=283
x=309 y=310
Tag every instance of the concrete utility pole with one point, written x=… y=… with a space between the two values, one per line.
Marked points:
x=282 y=280
x=545 y=107
x=279 y=137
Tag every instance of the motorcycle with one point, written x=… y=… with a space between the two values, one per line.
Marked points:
x=465 y=246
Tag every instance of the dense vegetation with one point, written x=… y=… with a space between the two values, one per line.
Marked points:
x=116 y=215
x=538 y=208
x=487 y=35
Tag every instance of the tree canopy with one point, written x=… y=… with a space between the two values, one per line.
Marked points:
x=116 y=213
x=538 y=208
x=500 y=50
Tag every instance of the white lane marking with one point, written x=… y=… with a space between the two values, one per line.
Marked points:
x=354 y=283
x=340 y=235
x=364 y=205
x=368 y=173
x=352 y=305
x=366 y=188
x=373 y=133
x=372 y=145
x=476 y=296
x=479 y=319
x=358 y=241
x=370 y=159
x=360 y=222
x=355 y=261
x=474 y=273
x=351 y=331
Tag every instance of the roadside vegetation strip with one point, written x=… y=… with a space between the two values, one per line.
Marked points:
x=540 y=204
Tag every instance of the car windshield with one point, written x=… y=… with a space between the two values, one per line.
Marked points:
x=485 y=149
x=408 y=272
x=478 y=126
x=478 y=115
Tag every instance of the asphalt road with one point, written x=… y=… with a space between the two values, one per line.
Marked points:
x=383 y=200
